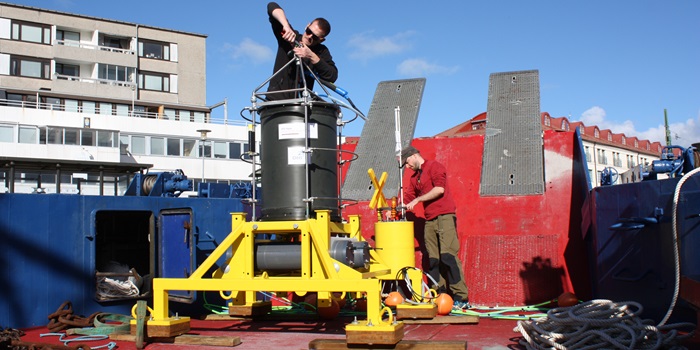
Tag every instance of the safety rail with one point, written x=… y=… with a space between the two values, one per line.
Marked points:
x=73 y=43
x=137 y=114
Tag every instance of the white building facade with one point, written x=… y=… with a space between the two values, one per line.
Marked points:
x=78 y=90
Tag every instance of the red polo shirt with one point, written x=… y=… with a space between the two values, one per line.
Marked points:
x=431 y=174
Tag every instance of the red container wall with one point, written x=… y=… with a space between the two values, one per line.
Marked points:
x=515 y=250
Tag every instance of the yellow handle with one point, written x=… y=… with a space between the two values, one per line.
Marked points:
x=133 y=310
x=388 y=311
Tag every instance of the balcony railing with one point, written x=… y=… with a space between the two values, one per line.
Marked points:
x=138 y=114
x=94 y=47
x=95 y=80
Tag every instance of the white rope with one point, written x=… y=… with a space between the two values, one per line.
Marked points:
x=599 y=324
x=108 y=288
x=676 y=244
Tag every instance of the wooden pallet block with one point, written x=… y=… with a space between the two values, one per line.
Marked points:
x=405 y=312
x=468 y=319
x=339 y=344
x=258 y=308
x=187 y=339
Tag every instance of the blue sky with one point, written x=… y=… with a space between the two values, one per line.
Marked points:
x=617 y=64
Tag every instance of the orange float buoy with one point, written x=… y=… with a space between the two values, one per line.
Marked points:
x=361 y=305
x=330 y=312
x=444 y=304
x=310 y=301
x=567 y=299
x=394 y=298
x=338 y=296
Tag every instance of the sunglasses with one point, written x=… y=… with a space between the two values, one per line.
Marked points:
x=313 y=36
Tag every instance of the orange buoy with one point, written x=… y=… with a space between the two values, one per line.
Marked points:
x=567 y=299
x=361 y=305
x=394 y=298
x=310 y=301
x=338 y=296
x=444 y=304
x=329 y=312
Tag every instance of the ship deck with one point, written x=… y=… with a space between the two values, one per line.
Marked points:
x=487 y=333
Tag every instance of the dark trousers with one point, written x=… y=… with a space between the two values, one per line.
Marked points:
x=442 y=244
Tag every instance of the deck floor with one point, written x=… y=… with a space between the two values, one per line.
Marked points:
x=258 y=335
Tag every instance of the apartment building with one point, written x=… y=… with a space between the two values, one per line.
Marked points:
x=603 y=148
x=86 y=101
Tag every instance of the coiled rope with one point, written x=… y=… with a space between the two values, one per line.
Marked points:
x=600 y=324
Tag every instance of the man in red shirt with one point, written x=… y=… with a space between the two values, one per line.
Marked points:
x=428 y=184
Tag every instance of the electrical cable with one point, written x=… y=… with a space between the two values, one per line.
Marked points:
x=416 y=298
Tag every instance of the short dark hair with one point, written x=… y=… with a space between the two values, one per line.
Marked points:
x=324 y=25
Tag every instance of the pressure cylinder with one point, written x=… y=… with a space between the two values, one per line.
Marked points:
x=395 y=244
x=287 y=182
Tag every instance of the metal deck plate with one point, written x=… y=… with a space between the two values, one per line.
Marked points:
x=513 y=155
x=377 y=146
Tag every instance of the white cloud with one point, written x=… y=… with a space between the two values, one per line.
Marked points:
x=364 y=46
x=249 y=50
x=420 y=67
x=683 y=133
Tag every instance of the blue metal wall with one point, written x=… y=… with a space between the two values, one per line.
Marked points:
x=633 y=257
x=47 y=249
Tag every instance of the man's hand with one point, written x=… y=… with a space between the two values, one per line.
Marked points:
x=412 y=204
x=303 y=51
x=288 y=34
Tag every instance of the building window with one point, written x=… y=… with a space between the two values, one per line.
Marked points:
x=31 y=32
x=157 y=146
x=7 y=133
x=189 y=148
x=87 y=137
x=65 y=71
x=565 y=125
x=65 y=37
x=106 y=138
x=111 y=72
x=624 y=140
x=588 y=154
x=220 y=150
x=52 y=136
x=154 y=81
x=169 y=114
x=122 y=110
x=601 y=157
x=71 y=137
x=173 y=147
x=28 y=134
x=610 y=136
x=154 y=49
x=185 y=116
x=547 y=122
x=234 y=150
x=30 y=67
x=138 y=144
x=596 y=133
x=636 y=144
x=105 y=108
x=108 y=41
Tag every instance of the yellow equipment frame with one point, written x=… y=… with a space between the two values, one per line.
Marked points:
x=319 y=273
